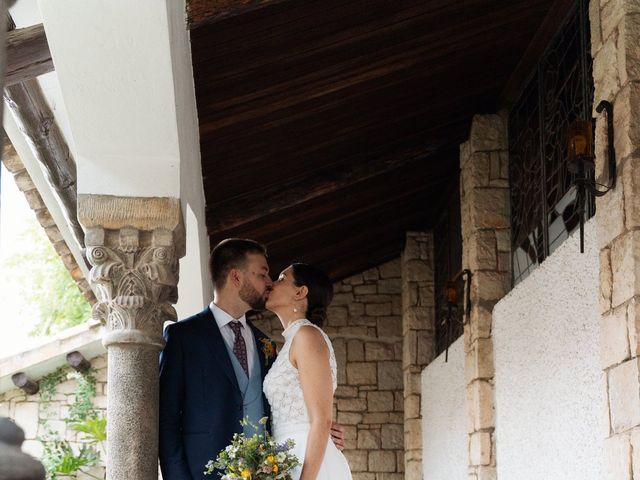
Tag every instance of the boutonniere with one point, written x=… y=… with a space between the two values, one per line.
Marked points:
x=268 y=349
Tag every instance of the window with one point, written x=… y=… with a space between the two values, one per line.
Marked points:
x=447 y=246
x=543 y=209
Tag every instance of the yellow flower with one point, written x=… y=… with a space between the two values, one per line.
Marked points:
x=246 y=473
x=275 y=468
x=271 y=459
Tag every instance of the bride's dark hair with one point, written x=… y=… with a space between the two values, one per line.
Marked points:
x=320 y=291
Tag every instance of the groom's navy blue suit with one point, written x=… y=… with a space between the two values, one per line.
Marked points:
x=200 y=401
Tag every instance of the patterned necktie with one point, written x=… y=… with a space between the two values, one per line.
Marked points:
x=239 y=347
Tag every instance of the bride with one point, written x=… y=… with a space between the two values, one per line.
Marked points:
x=302 y=380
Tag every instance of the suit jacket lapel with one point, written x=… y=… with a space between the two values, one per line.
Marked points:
x=218 y=349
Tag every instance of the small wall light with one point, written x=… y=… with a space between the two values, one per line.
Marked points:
x=581 y=161
x=450 y=305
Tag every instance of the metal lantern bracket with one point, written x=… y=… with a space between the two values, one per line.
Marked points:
x=611 y=152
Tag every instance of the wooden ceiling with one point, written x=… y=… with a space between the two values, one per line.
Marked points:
x=329 y=128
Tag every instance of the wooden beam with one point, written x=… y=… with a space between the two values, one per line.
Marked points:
x=23 y=382
x=555 y=17
x=205 y=12
x=77 y=361
x=245 y=208
x=37 y=122
x=28 y=55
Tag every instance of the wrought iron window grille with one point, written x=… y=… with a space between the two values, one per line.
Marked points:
x=545 y=208
x=447 y=245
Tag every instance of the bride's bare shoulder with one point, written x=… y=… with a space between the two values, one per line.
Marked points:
x=309 y=340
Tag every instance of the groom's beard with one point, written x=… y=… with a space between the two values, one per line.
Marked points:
x=252 y=297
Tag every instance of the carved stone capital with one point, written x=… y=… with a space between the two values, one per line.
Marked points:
x=134 y=273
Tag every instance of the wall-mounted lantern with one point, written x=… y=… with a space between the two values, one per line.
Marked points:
x=581 y=161
x=450 y=306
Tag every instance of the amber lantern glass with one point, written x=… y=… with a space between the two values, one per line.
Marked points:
x=580 y=138
x=450 y=293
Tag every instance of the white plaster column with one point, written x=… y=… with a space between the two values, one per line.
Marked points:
x=615 y=35
x=484 y=202
x=418 y=333
x=125 y=74
x=124 y=70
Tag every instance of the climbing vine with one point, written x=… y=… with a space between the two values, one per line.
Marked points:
x=61 y=459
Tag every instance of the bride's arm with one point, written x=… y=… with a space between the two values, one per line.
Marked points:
x=310 y=354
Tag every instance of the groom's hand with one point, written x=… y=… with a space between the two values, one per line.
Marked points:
x=337 y=435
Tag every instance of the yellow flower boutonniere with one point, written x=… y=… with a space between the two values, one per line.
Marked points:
x=268 y=349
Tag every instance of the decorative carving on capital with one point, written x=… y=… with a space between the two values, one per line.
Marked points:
x=134 y=275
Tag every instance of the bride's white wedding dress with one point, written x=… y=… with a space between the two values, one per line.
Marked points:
x=289 y=417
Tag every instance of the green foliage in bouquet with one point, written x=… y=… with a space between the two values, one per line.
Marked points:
x=257 y=457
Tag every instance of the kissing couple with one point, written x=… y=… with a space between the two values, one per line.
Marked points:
x=218 y=368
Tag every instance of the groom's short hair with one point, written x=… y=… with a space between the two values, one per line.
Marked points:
x=231 y=253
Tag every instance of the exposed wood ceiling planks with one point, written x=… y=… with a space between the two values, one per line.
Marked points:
x=329 y=129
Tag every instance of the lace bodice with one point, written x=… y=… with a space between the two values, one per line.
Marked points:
x=282 y=385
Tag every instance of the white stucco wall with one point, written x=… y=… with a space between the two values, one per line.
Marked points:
x=547 y=382
x=444 y=437
x=113 y=61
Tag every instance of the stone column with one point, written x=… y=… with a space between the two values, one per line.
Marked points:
x=418 y=331
x=615 y=35
x=133 y=245
x=484 y=202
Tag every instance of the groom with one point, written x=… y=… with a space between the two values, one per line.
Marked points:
x=213 y=365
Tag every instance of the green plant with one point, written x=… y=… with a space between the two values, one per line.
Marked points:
x=46 y=287
x=49 y=382
x=95 y=429
x=60 y=457
x=82 y=408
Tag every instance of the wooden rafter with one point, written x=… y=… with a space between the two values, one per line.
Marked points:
x=549 y=26
x=28 y=55
x=251 y=206
x=204 y=12
x=37 y=122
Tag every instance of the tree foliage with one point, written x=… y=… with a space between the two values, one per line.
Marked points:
x=47 y=286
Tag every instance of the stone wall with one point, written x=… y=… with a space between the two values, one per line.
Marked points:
x=484 y=205
x=30 y=413
x=419 y=346
x=615 y=35
x=365 y=326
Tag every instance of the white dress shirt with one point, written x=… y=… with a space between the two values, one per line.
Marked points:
x=223 y=319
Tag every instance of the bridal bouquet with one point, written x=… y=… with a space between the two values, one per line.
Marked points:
x=257 y=457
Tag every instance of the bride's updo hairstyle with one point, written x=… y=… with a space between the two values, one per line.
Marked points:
x=320 y=291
